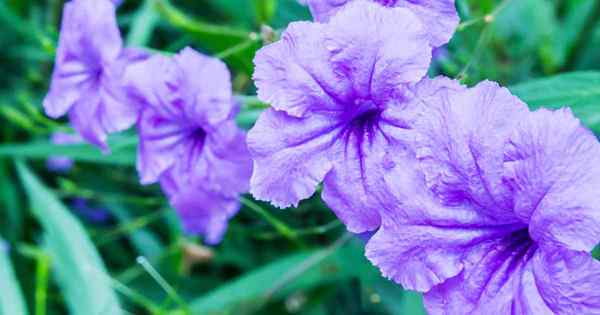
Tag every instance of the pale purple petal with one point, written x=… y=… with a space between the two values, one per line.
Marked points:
x=203 y=212
x=89 y=65
x=439 y=16
x=553 y=167
x=461 y=137
x=568 y=281
x=422 y=242
x=291 y=156
x=295 y=74
x=393 y=50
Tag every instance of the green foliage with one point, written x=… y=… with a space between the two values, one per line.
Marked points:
x=297 y=261
x=578 y=90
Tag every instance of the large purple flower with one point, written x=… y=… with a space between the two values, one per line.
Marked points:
x=188 y=139
x=339 y=92
x=90 y=61
x=439 y=16
x=499 y=210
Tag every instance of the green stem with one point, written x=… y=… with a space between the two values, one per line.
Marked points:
x=279 y=226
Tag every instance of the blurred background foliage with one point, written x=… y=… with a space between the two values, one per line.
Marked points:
x=93 y=241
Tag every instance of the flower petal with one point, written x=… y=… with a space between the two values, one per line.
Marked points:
x=208 y=82
x=294 y=74
x=348 y=188
x=553 y=167
x=421 y=242
x=159 y=147
x=460 y=143
x=440 y=17
x=291 y=156
x=89 y=40
x=204 y=212
x=378 y=49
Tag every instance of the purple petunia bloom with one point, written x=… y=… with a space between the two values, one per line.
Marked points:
x=86 y=82
x=499 y=210
x=338 y=92
x=62 y=163
x=189 y=140
x=439 y=16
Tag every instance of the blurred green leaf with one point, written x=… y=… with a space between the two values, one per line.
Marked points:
x=578 y=90
x=80 y=272
x=123 y=152
x=214 y=38
x=264 y=283
x=144 y=22
x=11 y=298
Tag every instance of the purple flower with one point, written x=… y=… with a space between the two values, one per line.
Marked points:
x=86 y=82
x=498 y=212
x=95 y=215
x=439 y=16
x=188 y=138
x=338 y=92
x=62 y=163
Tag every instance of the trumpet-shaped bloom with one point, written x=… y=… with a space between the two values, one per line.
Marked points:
x=86 y=82
x=498 y=211
x=339 y=96
x=188 y=139
x=439 y=16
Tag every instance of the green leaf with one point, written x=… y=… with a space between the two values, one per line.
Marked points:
x=250 y=290
x=123 y=153
x=80 y=272
x=215 y=38
x=144 y=22
x=578 y=90
x=11 y=298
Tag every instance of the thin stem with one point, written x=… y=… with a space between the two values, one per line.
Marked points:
x=163 y=283
x=315 y=230
x=42 y=270
x=131 y=226
x=279 y=226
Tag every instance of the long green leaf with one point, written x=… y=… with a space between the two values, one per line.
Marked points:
x=80 y=272
x=578 y=90
x=121 y=155
x=11 y=298
x=250 y=290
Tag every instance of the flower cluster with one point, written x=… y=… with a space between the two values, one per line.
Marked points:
x=470 y=197
x=183 y=108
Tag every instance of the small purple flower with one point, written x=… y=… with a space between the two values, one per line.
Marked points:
x=439 y=16
x=62 y=164
x=95 y=215
x=338 y=92
x=498 y=212
x=188 y=138
x=86 y=82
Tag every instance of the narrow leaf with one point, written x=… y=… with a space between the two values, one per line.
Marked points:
x=11 y=298
x=80 y=272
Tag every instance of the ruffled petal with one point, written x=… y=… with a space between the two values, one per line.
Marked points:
x=348 y=188
x=294 y=74
x=460 y=143
x=382 y=53
x=159 y=147
x=439 y=16
x=89 y=41
x=421 y=242
x=568 y=281
x=203 y=212
x=225 y=165
x=553 y=167
x=508 y=279
x=291 y=156
x=207 y=83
